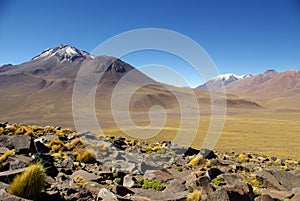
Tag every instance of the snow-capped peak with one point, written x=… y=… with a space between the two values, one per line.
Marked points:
x=63 y=53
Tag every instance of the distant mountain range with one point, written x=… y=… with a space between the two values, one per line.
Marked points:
x=40 y=91
x=266 y=86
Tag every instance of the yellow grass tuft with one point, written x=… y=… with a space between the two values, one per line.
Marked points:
x=194 y=196
x=79 y=182
x=55 y=141
x=104 y=146
x=29 y=183
x=88 y=156
x=71 y=145
x=6 y=155
x=242 y=158
x=194 y=161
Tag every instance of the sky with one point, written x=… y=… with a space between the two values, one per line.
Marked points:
x=241 y=37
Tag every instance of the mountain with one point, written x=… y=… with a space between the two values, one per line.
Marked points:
x=40 y=91
x=268 y=85
x=220 y=81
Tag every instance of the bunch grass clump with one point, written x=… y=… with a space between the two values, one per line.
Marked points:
x=194 y=196
x=6 y=155
x=87 y=156
x=29 y=183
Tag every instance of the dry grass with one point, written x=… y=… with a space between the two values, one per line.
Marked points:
x=265 y=132
x=30 y=183
x=87 y=156
x=194 y=196
x=6 y=155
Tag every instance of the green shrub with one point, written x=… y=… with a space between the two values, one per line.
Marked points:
x=178 y=168
x=29 y=183
x=154 y=184
x=218 y=181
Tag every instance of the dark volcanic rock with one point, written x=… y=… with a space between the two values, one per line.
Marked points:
x=242 y=192
x=48 y=162
x=213 y=173
x=22 y=144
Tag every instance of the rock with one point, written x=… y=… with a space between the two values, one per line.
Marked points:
x=120 y=143
x=17 y=162
x=264 y=198
x=82 y=195
x=162 y=175
x=296 y=198
x=51 y=195
x=296 y=190
x=191 y=182
x=7 y=176
x=147 y=165
x=41 y=147
x=204 y=182
x=175 y=186
x=207 y=154
x=123 y=166
x=191 y=151
x=4 y=196
x=128 y=181
x=286 y=179
x=242 y=192
x=275 y=194
x=86 y=175
x=3 y=185
x=213 y=173
x=269 y=181
x=139 y=198
x=121 y=190
x=106 y=195
x=48 y=162
x=23 y=144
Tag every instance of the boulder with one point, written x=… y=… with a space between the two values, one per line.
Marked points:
x=23 y=144
x=106 y=195
x=213 y=173
x=207 y=154
x=7 y=176
x=161 y=175
x=242 y=192
x=86 y=175
x=264 y=198
x=204 y=182
x=121 y=190
x=275 y=194
x=4 y=196
x=128 y=181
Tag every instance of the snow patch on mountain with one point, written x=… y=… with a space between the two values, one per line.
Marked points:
x=222 y=80
x=63 y=53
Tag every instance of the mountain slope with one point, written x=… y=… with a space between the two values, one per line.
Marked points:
x=268 y=85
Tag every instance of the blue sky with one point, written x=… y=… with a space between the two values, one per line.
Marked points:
x=248 y=36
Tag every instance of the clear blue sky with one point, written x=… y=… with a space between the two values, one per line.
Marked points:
x=246 y=36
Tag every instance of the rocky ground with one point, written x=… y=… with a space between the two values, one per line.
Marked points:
x=82 y=166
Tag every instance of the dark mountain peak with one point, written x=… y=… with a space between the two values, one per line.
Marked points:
x=270 y=71
x=6 y=67
x=108 y=63
x=64 y=53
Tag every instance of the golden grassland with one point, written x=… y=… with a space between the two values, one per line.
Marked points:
x=268 y=132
